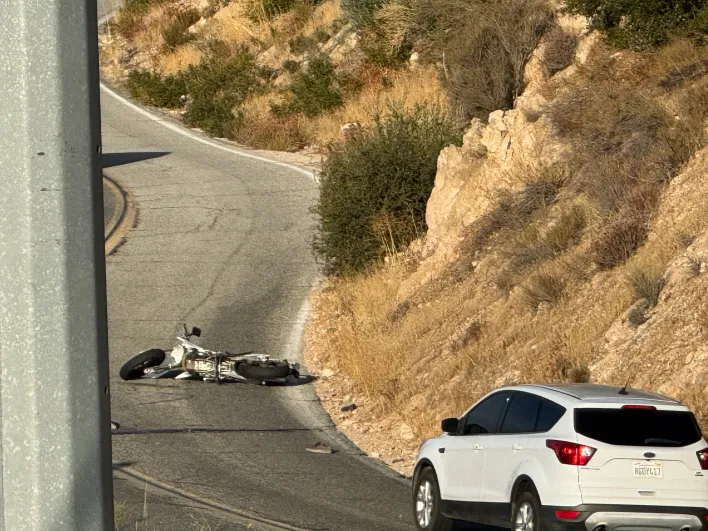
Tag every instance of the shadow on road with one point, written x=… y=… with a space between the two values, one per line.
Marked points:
x=463 y=526
x=292 y=382
x=128 y=431
x=120 y=159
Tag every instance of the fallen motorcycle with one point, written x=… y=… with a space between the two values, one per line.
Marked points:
x=189 y=361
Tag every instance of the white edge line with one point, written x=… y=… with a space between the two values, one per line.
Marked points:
x=184 y=132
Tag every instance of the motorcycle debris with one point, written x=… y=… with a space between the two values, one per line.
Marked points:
x=320 y=448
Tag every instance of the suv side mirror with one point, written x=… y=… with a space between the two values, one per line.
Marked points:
x=450 y=425
x=196 y=332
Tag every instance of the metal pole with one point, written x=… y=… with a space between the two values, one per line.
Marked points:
x=54 y=398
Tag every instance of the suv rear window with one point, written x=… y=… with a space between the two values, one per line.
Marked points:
x=638 y=427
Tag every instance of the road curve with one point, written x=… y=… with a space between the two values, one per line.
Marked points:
x=221 y=241
x=110 y=205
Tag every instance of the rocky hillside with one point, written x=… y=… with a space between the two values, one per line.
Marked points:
x=565 y=238
x=284 y=75
x=567 y=241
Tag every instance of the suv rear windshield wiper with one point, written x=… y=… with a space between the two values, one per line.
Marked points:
x=661 y=442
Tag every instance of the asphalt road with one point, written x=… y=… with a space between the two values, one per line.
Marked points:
x=109 y=205
x=222 y=242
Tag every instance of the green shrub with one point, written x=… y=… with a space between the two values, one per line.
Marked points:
x=321 y=35
x=575 y=371
x=483 y=47
x=153 y=89
x=374 y=188
x=361 y=12
x=301 y=44
x=210 y=115
x=643 y=23
x=379 y=53
x=337 y=25
x=314 y=90
x=216 y=86
x=291 y=66
x=258 y=10
x=646 y=282
x=176 y=34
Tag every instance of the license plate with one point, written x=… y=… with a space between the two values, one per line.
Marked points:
x=647 y=470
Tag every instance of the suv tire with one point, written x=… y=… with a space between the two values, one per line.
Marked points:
x=526 y=515
x=426 y=503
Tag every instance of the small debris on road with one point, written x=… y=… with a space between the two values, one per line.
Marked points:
x=398 y=460
x=320 y=448
x=349 y=407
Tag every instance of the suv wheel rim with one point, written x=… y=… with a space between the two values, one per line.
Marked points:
x=524 y=518
x=424 y=504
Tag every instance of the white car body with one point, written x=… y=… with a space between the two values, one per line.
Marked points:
x=655 y=486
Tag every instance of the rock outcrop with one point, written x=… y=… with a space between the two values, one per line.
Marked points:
x=502 y=154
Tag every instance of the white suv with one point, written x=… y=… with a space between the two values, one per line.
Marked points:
x=566 y=457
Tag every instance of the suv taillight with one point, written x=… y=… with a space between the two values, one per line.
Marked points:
x=573 y=454
x=703 y=460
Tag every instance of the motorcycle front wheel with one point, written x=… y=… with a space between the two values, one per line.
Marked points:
x=135 y=367
x=271 y=370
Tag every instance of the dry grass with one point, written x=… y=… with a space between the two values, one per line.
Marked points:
x=618 y=241
x=323 y=16
x=179 y=60
x=646 y=280
x=405 y=88
x=393 y=22
x=558 y=50
x=259 y=128
x=149 y=38
x=232 y=26
x=393 y=362
x=404 y=353
x=543 y=288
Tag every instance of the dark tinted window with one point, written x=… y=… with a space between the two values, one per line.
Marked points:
x=637 y=427
x=522 y=413
x=485 y=417
x=549 y=415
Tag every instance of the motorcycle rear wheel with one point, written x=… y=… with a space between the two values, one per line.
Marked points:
x=135 y=367
x=271 y=370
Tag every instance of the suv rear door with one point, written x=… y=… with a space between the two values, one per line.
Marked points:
x=464 y=454
x=644 y=456
x=520 y=438
x=505 y=451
